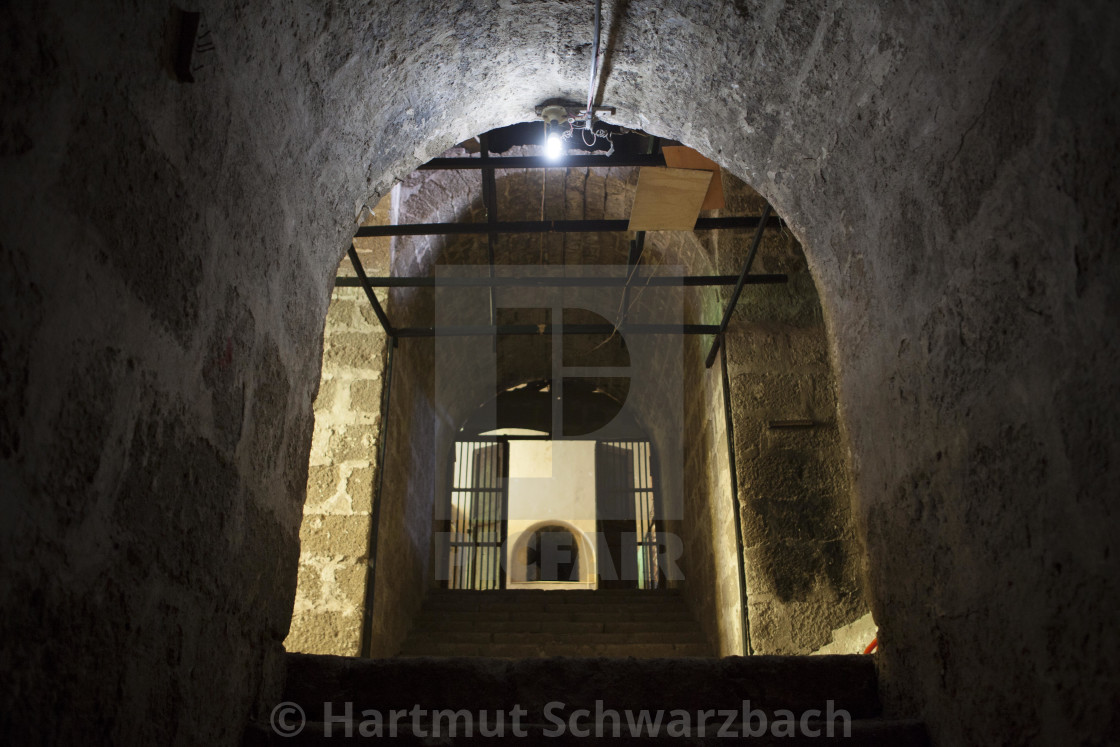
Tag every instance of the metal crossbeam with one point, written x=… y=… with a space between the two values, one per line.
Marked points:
x=738 y=288
x=365 y=284
x=539 y=162
x=549 y=226
x=561 y=282
x=485 y=330
x=736 y=509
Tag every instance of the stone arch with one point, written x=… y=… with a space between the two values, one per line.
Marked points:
x=954 y=193
x=520 y=552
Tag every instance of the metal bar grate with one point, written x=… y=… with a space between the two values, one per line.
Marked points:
x=630 y=499
x=478 y=515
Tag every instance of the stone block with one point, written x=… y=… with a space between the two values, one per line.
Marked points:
x=365 y=395
x=359 y=486
x=333 y=633
x=347 y=351
x=346 y=536
x=322 y=483
x=327 y=396
x=340 y=314
x=353 y=443
x=350 y=582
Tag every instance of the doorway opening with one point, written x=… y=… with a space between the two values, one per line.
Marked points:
x=530 y=512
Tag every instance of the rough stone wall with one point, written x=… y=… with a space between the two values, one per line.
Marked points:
x=343 y=468
x=164 y=285
x=804 y=564
x=707 y=530
x=412 y=466
x=802 y=559
x=949 y=170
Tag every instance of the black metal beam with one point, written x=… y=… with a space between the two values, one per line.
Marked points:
x=490 y=201
x=738 y=287
x=560 y=282
x=539 y=162
x=364 y=282
x=736 y=512
x=366 y=640
x=485 y=330
x=549 y=226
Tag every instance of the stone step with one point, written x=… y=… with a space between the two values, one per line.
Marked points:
x=555 y=606
x=475 y=636
x=797 y=683
x=546 y=650
x=533 y=615
x=449 y=625
x=862 y=733
x=572 y=623
x=557 y=594
x=622 y=613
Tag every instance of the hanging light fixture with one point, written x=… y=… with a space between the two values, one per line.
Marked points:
x=555 y=117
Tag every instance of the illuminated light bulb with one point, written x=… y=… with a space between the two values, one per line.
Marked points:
x=553 y=147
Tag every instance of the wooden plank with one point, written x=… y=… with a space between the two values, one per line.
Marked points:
x=668 y=199
x=683 y=157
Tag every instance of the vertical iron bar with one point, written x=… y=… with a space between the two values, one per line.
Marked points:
x=468 y=530
x=736 y=516
x=488 y=508
x=482 y=464
x=491 y=506
x=640 y=511
x=366 y=642
x=476 y=469
x=460 y=533
x=647 y=507
x=491 y=524
x=467 y=499
x=504 y=528
x=636 y=500
x=453 y=537
x=648 y=497
x=490 y=201
x=659 y=529
x=738 y=286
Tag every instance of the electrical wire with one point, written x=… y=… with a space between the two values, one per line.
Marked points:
x=594 y=68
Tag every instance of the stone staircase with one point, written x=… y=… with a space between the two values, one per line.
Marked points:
x=522 y=624
x=700 y=701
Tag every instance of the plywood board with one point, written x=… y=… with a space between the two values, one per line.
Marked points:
x=668 y=199
x=683 y=157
